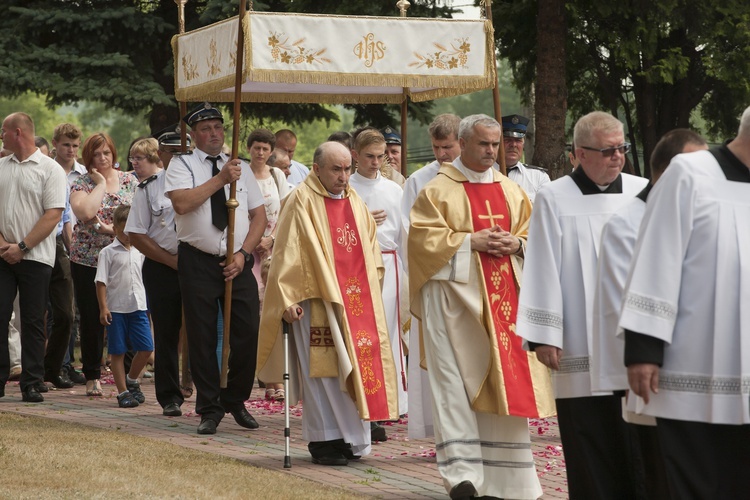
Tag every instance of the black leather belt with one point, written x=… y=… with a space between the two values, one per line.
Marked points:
x=188 y=246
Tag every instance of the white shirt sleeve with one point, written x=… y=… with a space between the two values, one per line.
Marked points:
x=139 y=218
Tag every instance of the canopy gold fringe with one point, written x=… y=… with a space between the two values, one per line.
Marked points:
x=435 y=86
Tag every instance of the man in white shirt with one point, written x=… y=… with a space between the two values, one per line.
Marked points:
x=32 y=200
x=286 y=140
x=198 y=185
x=66 y=141
x=529 y=177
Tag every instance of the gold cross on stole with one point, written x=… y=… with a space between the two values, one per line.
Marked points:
x=490 y=215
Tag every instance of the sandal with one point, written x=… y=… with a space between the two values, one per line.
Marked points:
x=279 y=395
x=93 y=388
x=186 y=391
x=270 y=393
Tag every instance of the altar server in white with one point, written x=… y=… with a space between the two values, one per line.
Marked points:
x=685 y=316
x=555 y=312
x=383 y=196
x=615 y=254
x=444 y=138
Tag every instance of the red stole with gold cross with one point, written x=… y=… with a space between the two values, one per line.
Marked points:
x=488 y=208
x=351 y=273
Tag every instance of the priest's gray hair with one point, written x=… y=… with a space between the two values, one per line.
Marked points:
x=596 y=121
x=744 y=130
x=466 y=127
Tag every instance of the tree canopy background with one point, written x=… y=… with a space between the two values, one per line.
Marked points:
x=656 y=65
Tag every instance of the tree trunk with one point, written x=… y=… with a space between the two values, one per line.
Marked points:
x=551 y=88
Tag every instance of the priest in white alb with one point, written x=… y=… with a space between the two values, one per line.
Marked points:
x=383 y=196
x=468 y=228
x=444 y=138
x=686 y=322
x=555 y=311
x=325 y=280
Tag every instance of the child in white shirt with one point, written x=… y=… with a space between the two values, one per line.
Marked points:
x=123 y=310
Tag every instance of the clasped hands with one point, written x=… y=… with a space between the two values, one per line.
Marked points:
x=495 y=241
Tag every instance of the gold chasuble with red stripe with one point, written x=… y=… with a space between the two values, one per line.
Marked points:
x=478 y=297
x=327 y=253
x=355 y=290
x=488 y=208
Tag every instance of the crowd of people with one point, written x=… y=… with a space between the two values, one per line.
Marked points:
x=469 y=298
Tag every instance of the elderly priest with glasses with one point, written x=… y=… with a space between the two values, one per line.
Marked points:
x=555 y=307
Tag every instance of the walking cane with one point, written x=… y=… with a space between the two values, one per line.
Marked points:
x=287 y=430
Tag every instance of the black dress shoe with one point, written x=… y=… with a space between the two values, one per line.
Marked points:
x=41 y=387
x=31 y=395
x=331 y=459
x=463 y=490
x=207 y=426
x=243 y=418
x=172 y=410
x=60 y=381
x=75 y=376
x=377 y=432
x=345 y=449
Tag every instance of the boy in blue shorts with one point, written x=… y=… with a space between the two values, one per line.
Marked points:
x=122 y=306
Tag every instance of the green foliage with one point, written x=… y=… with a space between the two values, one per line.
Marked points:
x=89 y=117
x=652 y=63
x=118 y=53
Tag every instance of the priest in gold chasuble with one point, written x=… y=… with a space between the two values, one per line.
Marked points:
x=466 y=244
x=325 y=280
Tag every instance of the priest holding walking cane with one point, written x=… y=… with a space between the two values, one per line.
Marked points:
x=324 y=280
x=198 y=185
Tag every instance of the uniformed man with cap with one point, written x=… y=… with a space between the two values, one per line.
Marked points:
x=198 y=185
x=529 y=177
x=392 y=168
x=170 y=143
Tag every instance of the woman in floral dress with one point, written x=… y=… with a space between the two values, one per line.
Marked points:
x=93 y=198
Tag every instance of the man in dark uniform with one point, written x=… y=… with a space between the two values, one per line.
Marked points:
x=170 y=143
x=529 y=177
x=150 y=227
x=393 y=152
x=198 y=185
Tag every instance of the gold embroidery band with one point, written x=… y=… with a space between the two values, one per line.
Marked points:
x=351 y=273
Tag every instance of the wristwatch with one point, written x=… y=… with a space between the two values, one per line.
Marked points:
x=23 y=247
x=247 y=255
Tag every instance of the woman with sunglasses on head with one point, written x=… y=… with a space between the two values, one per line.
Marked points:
x=93 y=198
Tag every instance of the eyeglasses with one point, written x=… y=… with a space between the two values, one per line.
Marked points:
x=608 y=152
x=136 y=158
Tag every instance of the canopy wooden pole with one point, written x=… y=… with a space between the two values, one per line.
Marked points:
x=232 y=202
x=402 y=6
x=496 y=94
x=186 y=378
